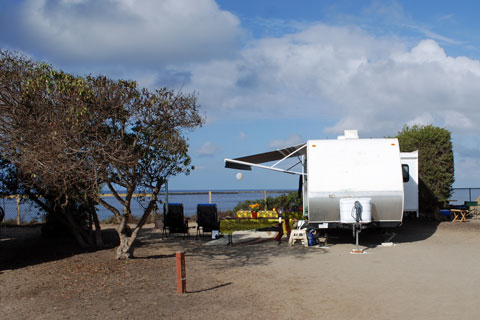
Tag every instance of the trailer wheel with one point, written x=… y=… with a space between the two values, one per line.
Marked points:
x=2 y=214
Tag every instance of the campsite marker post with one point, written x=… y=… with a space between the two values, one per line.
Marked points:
x=181 y=275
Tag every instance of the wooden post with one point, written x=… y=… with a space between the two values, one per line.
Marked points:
x=209 y=196
x=181 y=276
x=265 y=198
x=166 y=198
x=18 y=209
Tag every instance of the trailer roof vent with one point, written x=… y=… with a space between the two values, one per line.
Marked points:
x=349 y=134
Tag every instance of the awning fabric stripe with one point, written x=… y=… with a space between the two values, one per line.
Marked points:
x=238 y=166
x=266 y=157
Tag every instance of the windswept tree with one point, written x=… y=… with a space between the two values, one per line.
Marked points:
x=143 y=147
x=68 y=135
x=45 y=116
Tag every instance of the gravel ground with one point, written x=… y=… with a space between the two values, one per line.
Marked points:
x=431 y=272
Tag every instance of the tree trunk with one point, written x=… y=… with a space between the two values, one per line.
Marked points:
x=98 y=231
x=65 y=217
x=125 y=249
x=77 y=232
x=128 y=236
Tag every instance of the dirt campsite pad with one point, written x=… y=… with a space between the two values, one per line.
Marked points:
x=431 y=272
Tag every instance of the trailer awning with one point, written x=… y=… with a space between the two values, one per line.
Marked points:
x=246 y=163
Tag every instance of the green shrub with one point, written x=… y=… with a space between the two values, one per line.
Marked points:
x=291 y=201
x=435 y=163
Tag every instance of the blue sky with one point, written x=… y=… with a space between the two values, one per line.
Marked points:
x=274 y=73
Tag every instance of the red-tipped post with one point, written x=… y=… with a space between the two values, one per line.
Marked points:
x=181 y=276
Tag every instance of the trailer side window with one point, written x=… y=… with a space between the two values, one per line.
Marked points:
x=405 y=172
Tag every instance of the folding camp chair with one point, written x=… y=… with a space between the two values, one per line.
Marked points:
x=174 y=220
x=472 y=207
x=207 y=218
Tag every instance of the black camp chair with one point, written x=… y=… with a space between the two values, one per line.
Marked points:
x=207 y=218
x=174 y=220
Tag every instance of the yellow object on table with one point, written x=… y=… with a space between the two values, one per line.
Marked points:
x=270 y=214
x=267 y=214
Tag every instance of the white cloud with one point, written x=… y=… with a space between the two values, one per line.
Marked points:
x=208 y=149
x=296 y=75
x=457 y=120
x=242 y=136
x=125 y=32
x=422 y=120
x=292 y=140
x=418 y=84
x=346 y=77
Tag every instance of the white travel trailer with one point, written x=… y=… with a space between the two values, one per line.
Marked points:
x=410 y=185
x=348 y=182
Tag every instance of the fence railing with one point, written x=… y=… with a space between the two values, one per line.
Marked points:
x=465 y=194
x=459 y=195
x=15 y=201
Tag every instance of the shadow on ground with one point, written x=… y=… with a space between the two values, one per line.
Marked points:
x=409 y=231
x=25 y=251
x=256 y=251
x=24 y=246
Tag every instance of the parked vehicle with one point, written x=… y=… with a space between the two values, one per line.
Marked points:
x=348 y=182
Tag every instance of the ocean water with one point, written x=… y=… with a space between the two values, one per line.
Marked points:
x=225 y=200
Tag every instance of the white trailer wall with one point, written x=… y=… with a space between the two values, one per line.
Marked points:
x=411 y=186
x=354 y=168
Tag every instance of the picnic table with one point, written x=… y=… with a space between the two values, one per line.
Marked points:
x=229 y=226
x=460 y=212
x=459 y=215
x=267 y=220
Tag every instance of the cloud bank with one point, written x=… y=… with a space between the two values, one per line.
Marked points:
x=342 y=75
x=123 y=33
x=347 y=76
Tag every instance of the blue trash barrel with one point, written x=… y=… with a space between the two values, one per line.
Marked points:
x=445 y=212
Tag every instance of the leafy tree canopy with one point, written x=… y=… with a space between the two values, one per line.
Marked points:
x=69 y=135
x=436 y=166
